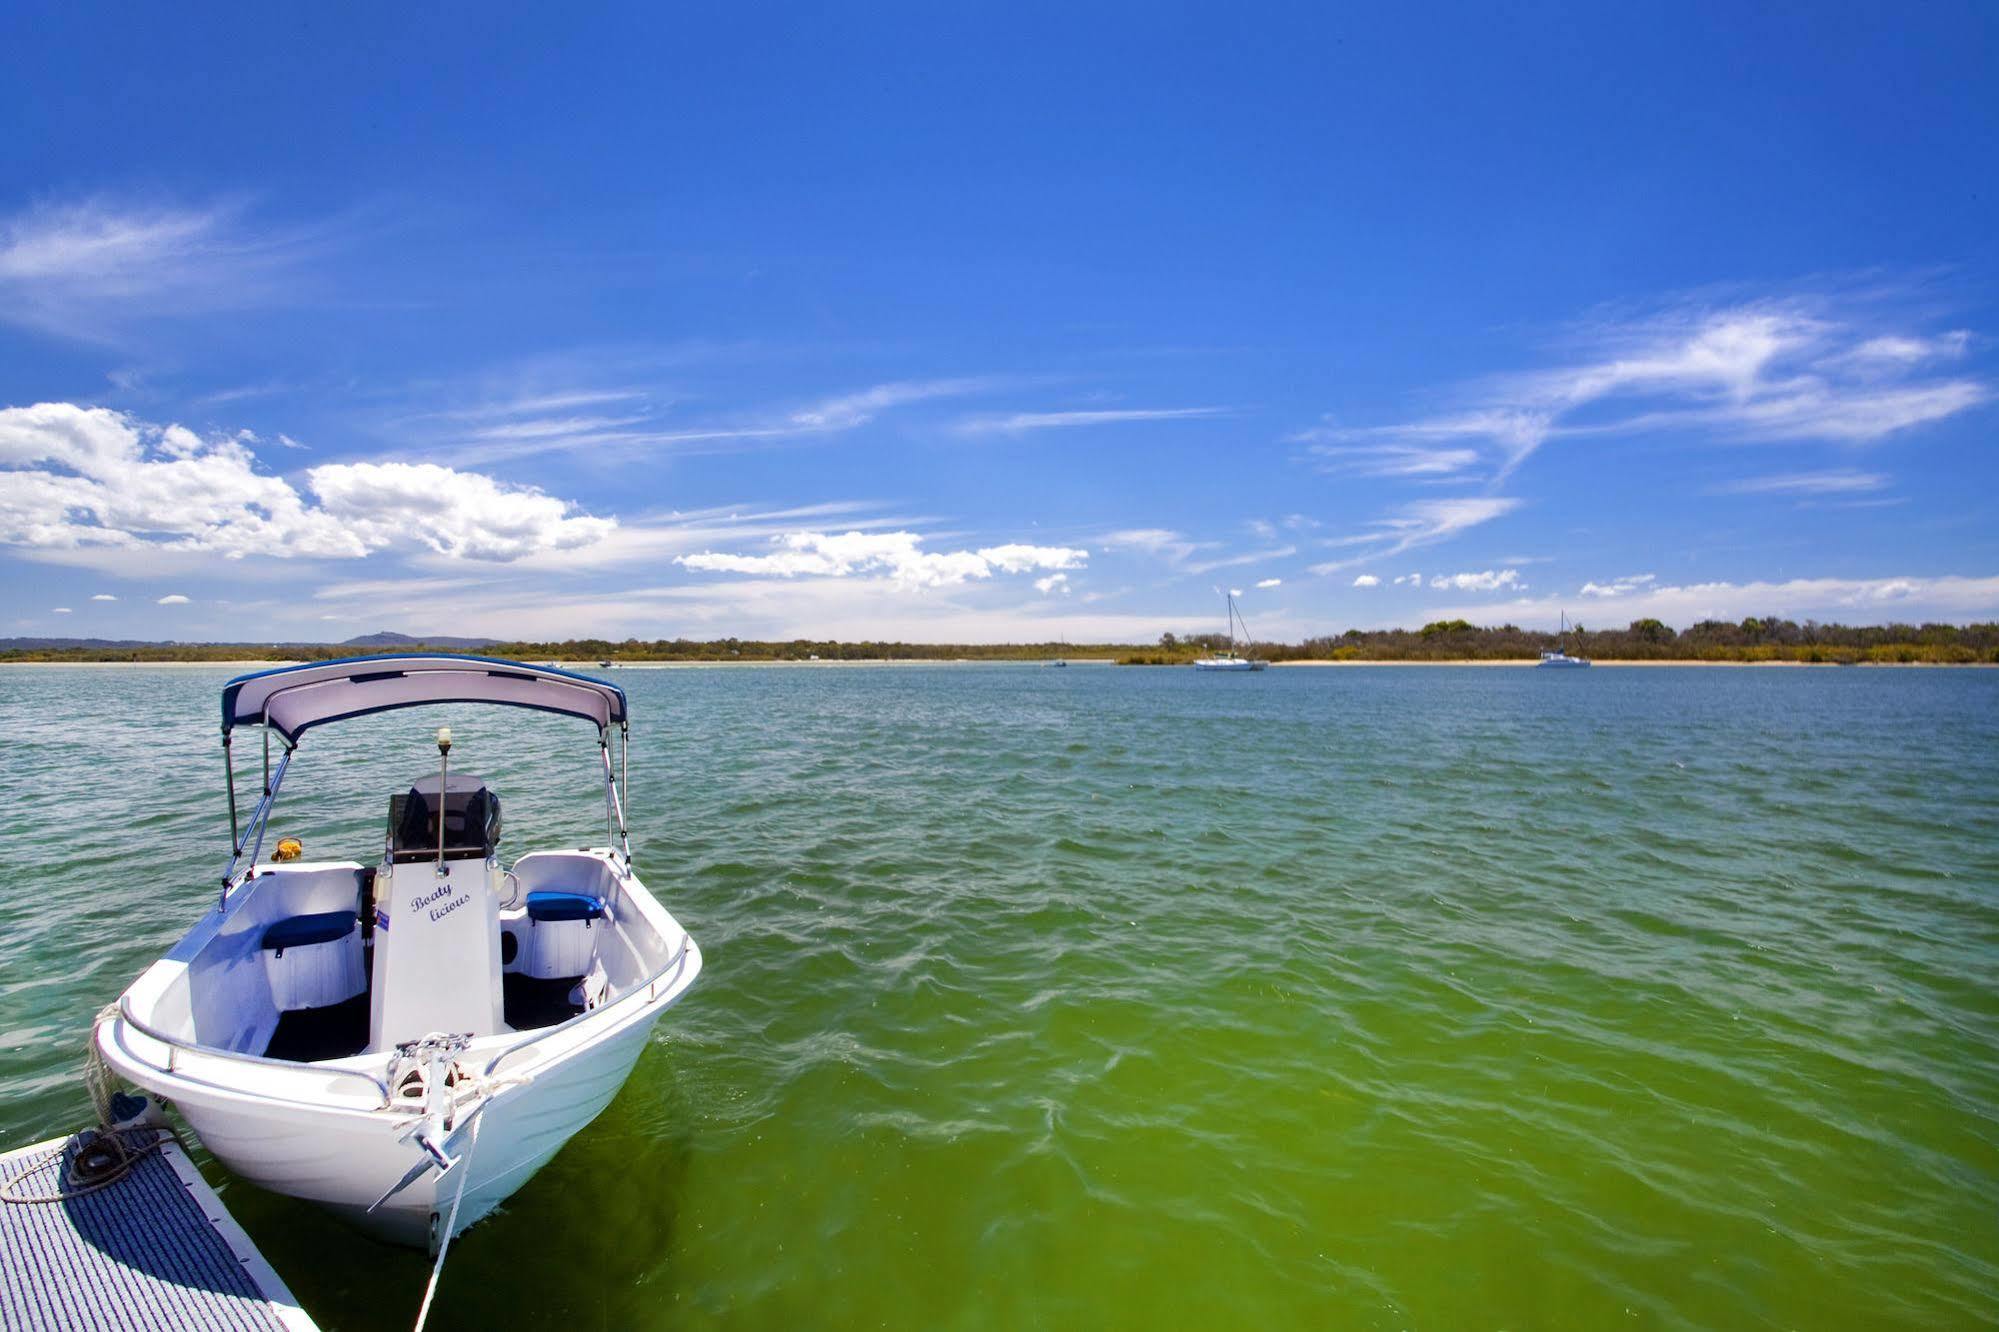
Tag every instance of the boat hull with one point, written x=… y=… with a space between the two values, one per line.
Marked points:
x=1236 y=665
x=345 y=1162
x=345 y=1151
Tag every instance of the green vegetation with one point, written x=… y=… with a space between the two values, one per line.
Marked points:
x=1752 y=640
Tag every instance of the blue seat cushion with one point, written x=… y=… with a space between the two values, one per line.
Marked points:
x=549 y=905
x=298 y=931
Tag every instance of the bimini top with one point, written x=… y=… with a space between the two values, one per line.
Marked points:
x=293 y=699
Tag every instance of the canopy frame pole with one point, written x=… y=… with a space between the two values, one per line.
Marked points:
x=259 y=824
x=614 y=806
x=229 y=773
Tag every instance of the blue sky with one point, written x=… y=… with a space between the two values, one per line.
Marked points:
x=999 y=322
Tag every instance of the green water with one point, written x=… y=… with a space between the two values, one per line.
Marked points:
x=1398 y=998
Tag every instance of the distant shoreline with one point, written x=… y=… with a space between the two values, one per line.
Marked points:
x=253 y=664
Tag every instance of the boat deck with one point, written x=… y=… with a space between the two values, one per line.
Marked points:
x=154 y=1250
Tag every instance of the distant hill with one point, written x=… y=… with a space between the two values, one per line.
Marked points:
x=386 y=639
x=46 y=644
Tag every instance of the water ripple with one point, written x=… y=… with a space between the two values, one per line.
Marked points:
x=1366 y=998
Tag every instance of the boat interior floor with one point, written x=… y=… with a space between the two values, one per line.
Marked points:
x=337 y=1031
x=531 y=1003
x=333 y=1032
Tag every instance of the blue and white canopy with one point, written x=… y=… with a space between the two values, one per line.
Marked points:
x=293 y=699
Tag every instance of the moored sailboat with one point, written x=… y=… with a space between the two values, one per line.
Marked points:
x=1559 y=656
x=1230 y=660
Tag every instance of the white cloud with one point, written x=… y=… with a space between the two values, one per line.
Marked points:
x=1270 y=582
x=456 y=514
x=1618 y=587
x=1052 y=583
x=898 y=555
x=1489 y=580
x=172 y=599
x=61 y=610
x=1023 y=421
x=1759 y=371
x=1369 y=580
x=1409 y=580
x=1845 y=482
x=104 y=596
x=82 y=479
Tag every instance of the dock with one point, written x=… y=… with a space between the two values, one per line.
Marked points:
x=156 y=1249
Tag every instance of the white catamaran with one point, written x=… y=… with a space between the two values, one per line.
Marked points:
x=406 y=1037
x=1229 y=660
x=1556 y=656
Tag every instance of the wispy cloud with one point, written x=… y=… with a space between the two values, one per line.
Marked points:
x=90 y=268
x=1367 y=580
x=1422 y=523
x=848 y=410
x=1845 y=482
x=1618 y=587
x=1185 y=555
x=545 y=423
x=1269 y=582
x=1771 y=371
x=1018 y=422
x=1345 y=457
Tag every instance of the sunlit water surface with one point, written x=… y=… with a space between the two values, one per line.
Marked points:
x=1434 y=998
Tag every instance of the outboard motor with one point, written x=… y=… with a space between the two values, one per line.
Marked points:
x=437 y=911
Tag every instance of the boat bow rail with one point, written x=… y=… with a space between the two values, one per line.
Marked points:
x=179 y=1048
x=314 y=1076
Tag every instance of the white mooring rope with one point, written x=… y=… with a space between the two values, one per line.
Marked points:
x=450 y=1225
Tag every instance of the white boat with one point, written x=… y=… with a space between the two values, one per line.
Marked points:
x=1559 y=658
x=1229 y=660
x=406 y=1038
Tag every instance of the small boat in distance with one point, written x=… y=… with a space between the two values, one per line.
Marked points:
x=1557 y=657
x=1229 y=661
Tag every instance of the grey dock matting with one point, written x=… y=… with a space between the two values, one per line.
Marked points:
x=154 y=1250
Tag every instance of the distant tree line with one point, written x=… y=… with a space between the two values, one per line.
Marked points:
x=1753 y=639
